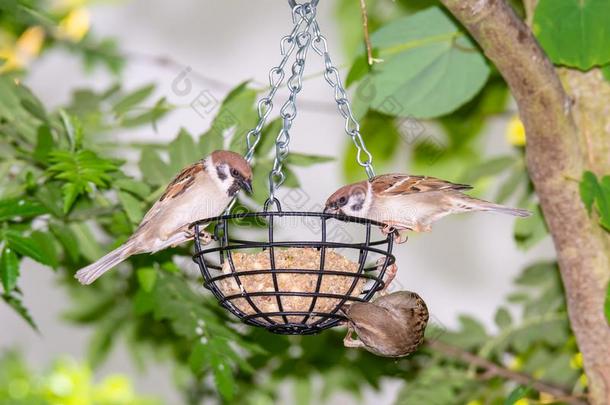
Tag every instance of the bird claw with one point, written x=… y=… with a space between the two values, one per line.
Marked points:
x=399 y=237
x=349 y=341
x=205 y=238
x=390 y=273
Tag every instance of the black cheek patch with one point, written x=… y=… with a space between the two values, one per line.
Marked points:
x=221 y=174
x=233 y=189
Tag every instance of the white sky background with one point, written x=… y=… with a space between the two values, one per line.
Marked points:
x=466 y=265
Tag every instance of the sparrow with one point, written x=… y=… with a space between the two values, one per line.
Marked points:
x=201 y=190
x=403 y=202
x=392 y=325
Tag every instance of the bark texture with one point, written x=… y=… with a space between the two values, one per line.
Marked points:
x=563 y=140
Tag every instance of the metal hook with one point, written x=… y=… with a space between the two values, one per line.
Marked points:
x=293 y=3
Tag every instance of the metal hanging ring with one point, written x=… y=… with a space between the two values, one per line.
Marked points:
x=293 y=3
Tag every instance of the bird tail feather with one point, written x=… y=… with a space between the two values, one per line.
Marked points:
x=483 y=205
x=92 y=272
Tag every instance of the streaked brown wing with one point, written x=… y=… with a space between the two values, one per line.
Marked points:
x=400 y=184
x=177 y=187
x=182 y=181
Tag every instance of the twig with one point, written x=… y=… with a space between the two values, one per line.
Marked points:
x=530 y=8
x=367 y=38
x=492 y=369
x=169 y=63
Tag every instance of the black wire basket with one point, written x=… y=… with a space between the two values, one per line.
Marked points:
x=317 y=307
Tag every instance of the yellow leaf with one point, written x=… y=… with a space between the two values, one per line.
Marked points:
x=21 y=53
x=515 y=132
x=576 y=361
x=75 y=25
x=522 y=401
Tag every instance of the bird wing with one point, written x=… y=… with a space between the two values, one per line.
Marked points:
x=401 y=184
x=176 y=187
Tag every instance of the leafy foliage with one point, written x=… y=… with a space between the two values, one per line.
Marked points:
x=594 y=192
x=573 y=32
x=424 y=56
x=65 y=382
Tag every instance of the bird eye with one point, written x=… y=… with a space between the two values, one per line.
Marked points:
x=342 y=201
x=234 y=172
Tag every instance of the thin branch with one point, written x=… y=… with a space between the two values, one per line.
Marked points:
x=169 y=63
x=491 y=369
x=367 y=38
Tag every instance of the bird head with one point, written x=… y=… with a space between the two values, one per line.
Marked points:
x=353 y=200
x=232 y=171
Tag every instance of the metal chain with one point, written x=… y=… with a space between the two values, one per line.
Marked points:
x=352 y=127
x=276 y=77
x=288 y=112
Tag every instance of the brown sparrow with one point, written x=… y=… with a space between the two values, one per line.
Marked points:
x=404 y=202
x=199 y=191
x=391 y=326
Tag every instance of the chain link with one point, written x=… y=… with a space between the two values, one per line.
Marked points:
x=305 y=34
x=288 y=44
x=288 y=112
x=352 y=127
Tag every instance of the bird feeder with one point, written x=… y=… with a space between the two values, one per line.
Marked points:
x=293 y=284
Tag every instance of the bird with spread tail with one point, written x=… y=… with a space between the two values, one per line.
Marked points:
x=199 y=191
x=409 y=203
x=392 y=325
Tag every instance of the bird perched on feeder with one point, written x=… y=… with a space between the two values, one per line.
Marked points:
x=199 y=191
x=403 y=202
x=391 y=326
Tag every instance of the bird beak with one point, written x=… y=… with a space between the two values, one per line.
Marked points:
x=246 y=185
x=330 y=210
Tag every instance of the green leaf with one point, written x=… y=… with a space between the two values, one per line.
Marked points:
x=132 y=206
x=149 y=116
x=13 y=208
x=589 y=188
x=80 y=171
x=182 y=151
x=503 y=318
x=381 y=137
x=15 y=302
x=132 y=99
x=68 y=240
x=44 y=144
x=9 y=269
x=510 y=185
x=237 y=113
x=491 y=167
x=47 y=246
x=304 y=160
x=147 y=277
x=87 y=244
x=528 y=232
x=429 y=67
x=574 y=33
x=268 y=137
x=209 y=142
x=516 y=394
x=27 y=246
x=595 y=192
x=132 y=186
x=223 y=375
x=154 y=170
x=198 y=358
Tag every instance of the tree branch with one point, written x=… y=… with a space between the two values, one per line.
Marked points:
x=365 y=27
x=492 y=369
x=555 y=153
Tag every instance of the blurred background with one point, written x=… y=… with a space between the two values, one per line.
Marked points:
x=195 y=53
